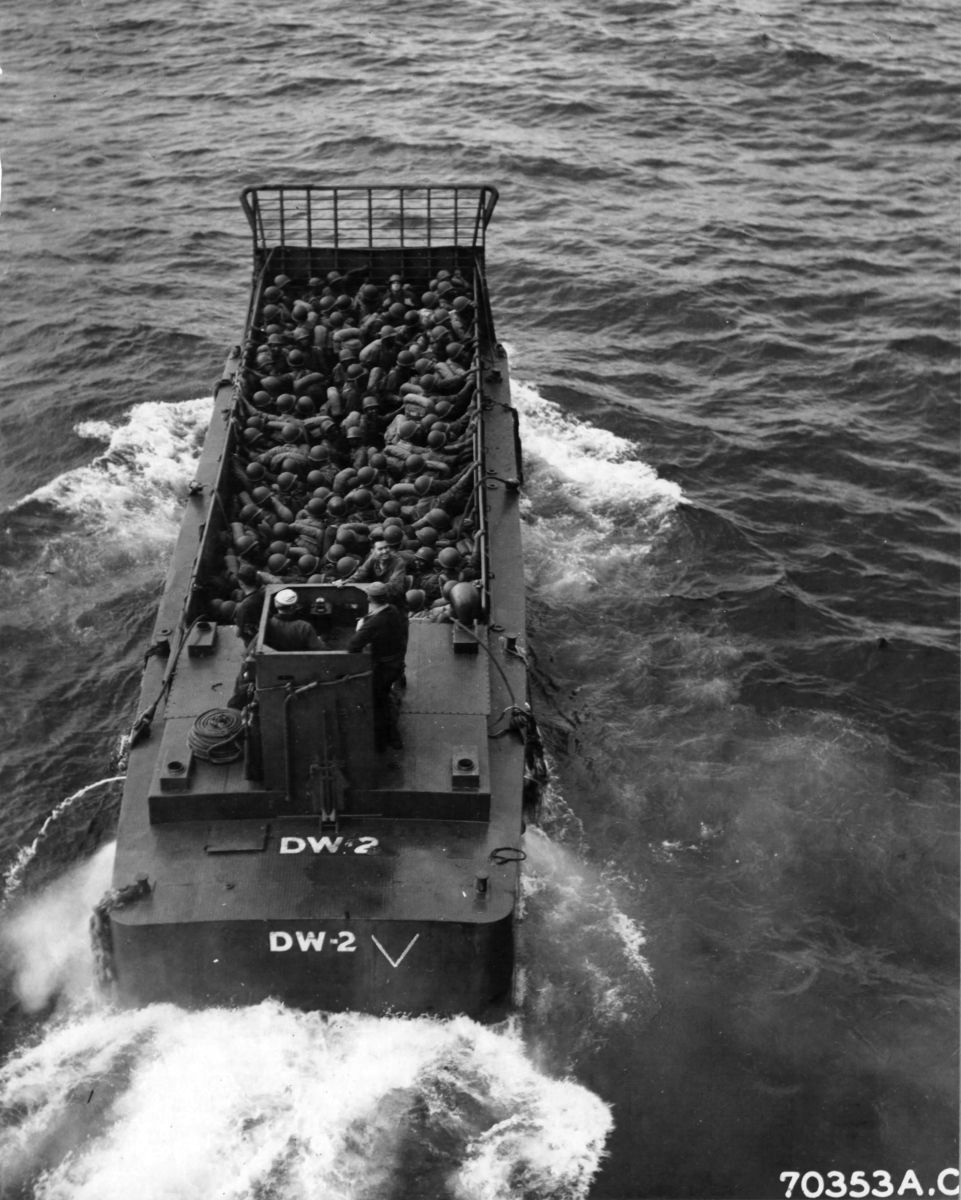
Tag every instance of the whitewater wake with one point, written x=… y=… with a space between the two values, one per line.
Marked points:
x=265 y=1101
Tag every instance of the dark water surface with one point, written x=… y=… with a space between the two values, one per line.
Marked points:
x=725 y=263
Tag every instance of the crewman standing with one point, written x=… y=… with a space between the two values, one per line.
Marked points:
x=384 y=630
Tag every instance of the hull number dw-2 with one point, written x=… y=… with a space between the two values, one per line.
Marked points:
x=344 y=942
x=328 y=845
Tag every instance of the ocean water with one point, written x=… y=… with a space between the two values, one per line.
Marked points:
x=725 y=264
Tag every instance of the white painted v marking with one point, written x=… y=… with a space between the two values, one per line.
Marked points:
x=395 y=963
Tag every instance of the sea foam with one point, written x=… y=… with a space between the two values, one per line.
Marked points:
x=135 y=489
x=267 y=1101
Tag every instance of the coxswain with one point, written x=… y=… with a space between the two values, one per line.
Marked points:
x=285 y=629
x=384 y=630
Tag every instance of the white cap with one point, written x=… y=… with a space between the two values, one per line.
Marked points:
x=286 y=599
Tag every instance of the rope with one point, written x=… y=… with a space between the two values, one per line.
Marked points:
x=507 y=854
x=215 y=735
x=315 y=683
x=141 y=727
x=100 y=935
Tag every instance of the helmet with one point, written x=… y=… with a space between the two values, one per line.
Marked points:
x=286 y=599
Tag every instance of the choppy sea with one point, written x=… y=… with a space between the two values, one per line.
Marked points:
x=725 y=265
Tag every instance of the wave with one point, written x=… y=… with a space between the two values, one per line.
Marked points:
x=268 y=1101
x=112 y=520
x=597 y=503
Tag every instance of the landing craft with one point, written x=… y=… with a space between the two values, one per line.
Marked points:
x=270 y=843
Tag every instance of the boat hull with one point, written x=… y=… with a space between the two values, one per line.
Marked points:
x=435 y=968
x=301 y=861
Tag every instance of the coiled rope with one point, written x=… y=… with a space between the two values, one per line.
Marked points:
x=215 y=735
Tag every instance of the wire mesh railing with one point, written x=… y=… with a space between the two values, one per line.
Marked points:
x=362 y=217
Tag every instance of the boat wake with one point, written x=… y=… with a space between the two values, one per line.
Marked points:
x=268 y=1101
x=147 y=460
x=104 y=529
x=593 y=507
x=586 y=973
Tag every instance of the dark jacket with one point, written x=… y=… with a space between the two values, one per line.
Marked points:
x=247 y=614
x=385 y=631
x=291 y=633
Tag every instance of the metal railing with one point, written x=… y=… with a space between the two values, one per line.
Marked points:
x=368 y=217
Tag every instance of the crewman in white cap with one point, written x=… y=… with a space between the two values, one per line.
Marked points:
x=285 y=629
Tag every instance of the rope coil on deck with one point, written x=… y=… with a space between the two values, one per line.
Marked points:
x=216 y=735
